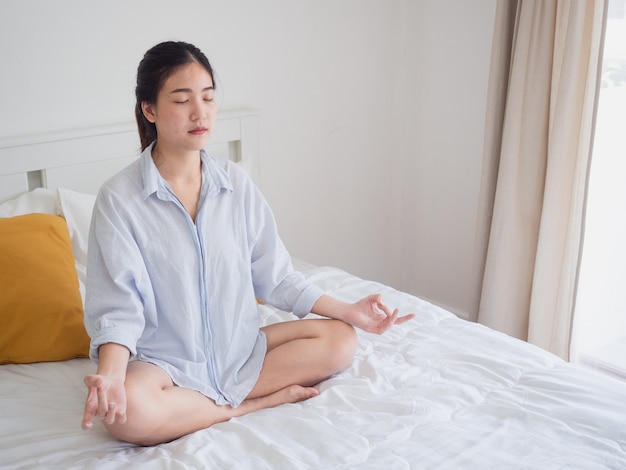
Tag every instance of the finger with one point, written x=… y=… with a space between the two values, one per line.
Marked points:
x=394 y=315
x=404 y=318
x=109 y=417
x=373 y=300
x=103 y=404
x=121 y=416
x=91 y=406
x=386 y=310
x=388 y=322
x=111 y=413
x=116 y=413
x=92 y=381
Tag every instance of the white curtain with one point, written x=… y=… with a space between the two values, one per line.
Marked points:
x=544 y=79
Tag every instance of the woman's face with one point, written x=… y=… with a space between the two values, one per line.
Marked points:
x=185 y=110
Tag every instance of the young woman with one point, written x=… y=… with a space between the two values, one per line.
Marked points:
x=181 y=245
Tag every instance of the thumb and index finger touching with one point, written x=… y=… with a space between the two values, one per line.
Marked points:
x=391 y=314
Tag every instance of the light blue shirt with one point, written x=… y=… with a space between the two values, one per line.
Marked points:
x=182 y=295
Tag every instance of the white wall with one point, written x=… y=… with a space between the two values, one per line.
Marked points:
x=449 y=44
x=371 y=137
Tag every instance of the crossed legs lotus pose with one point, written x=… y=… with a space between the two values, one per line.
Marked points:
x=300 y=354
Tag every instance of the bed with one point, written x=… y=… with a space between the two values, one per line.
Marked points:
x=437 y=392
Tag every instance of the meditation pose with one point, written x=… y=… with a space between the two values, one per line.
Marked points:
x=181 y=246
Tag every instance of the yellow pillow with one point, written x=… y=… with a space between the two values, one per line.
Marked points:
x=41 y=313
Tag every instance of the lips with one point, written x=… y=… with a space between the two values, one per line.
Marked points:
x=198 y=130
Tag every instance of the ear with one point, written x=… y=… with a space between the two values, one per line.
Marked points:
x=148 y=111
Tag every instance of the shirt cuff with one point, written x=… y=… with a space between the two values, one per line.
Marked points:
x=306 y=300
x=109 y=336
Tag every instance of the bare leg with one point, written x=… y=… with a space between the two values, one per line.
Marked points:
x=304 y=352
x=158 y=411
x=300 y=354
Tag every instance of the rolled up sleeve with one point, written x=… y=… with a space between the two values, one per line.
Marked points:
x=113 y=304
x=274 y=278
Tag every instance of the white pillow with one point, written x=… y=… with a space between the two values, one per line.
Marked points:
x=38 y=200
x=76 y=208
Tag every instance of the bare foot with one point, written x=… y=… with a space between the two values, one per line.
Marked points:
x=290 y=394
x=296 y=393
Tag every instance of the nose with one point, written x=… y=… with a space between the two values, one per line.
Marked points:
x=198 y=111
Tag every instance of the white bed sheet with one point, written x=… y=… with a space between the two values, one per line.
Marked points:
x=438 y=392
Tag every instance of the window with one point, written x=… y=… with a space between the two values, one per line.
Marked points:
x=600 y=319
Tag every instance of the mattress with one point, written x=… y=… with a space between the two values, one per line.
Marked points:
x=438 y=392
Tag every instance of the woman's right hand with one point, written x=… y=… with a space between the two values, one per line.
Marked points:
x=106 y=395
x=106 y=399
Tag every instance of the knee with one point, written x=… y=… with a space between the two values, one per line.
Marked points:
x=344 y=343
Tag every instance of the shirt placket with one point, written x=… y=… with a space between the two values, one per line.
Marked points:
x=204 y=298
x=196 y=231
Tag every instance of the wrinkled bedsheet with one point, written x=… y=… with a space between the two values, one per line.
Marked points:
x=436 y=393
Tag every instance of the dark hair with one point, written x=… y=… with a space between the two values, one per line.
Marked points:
x=157 y=65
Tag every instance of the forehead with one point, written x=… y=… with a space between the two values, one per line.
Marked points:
x=192 y=76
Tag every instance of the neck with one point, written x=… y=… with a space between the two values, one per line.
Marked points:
x=176 y=165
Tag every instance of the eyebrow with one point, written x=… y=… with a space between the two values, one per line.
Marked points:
x=189 y=90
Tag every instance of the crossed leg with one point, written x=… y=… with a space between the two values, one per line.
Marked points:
x=299 y=355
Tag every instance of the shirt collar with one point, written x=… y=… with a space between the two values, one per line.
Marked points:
x=214 y=177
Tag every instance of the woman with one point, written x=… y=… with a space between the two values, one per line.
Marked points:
x=181 y=244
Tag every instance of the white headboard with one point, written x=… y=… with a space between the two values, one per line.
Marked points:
x=83 y=159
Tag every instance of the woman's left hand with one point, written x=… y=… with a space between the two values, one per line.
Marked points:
x=369 y=314
x=372 y=315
